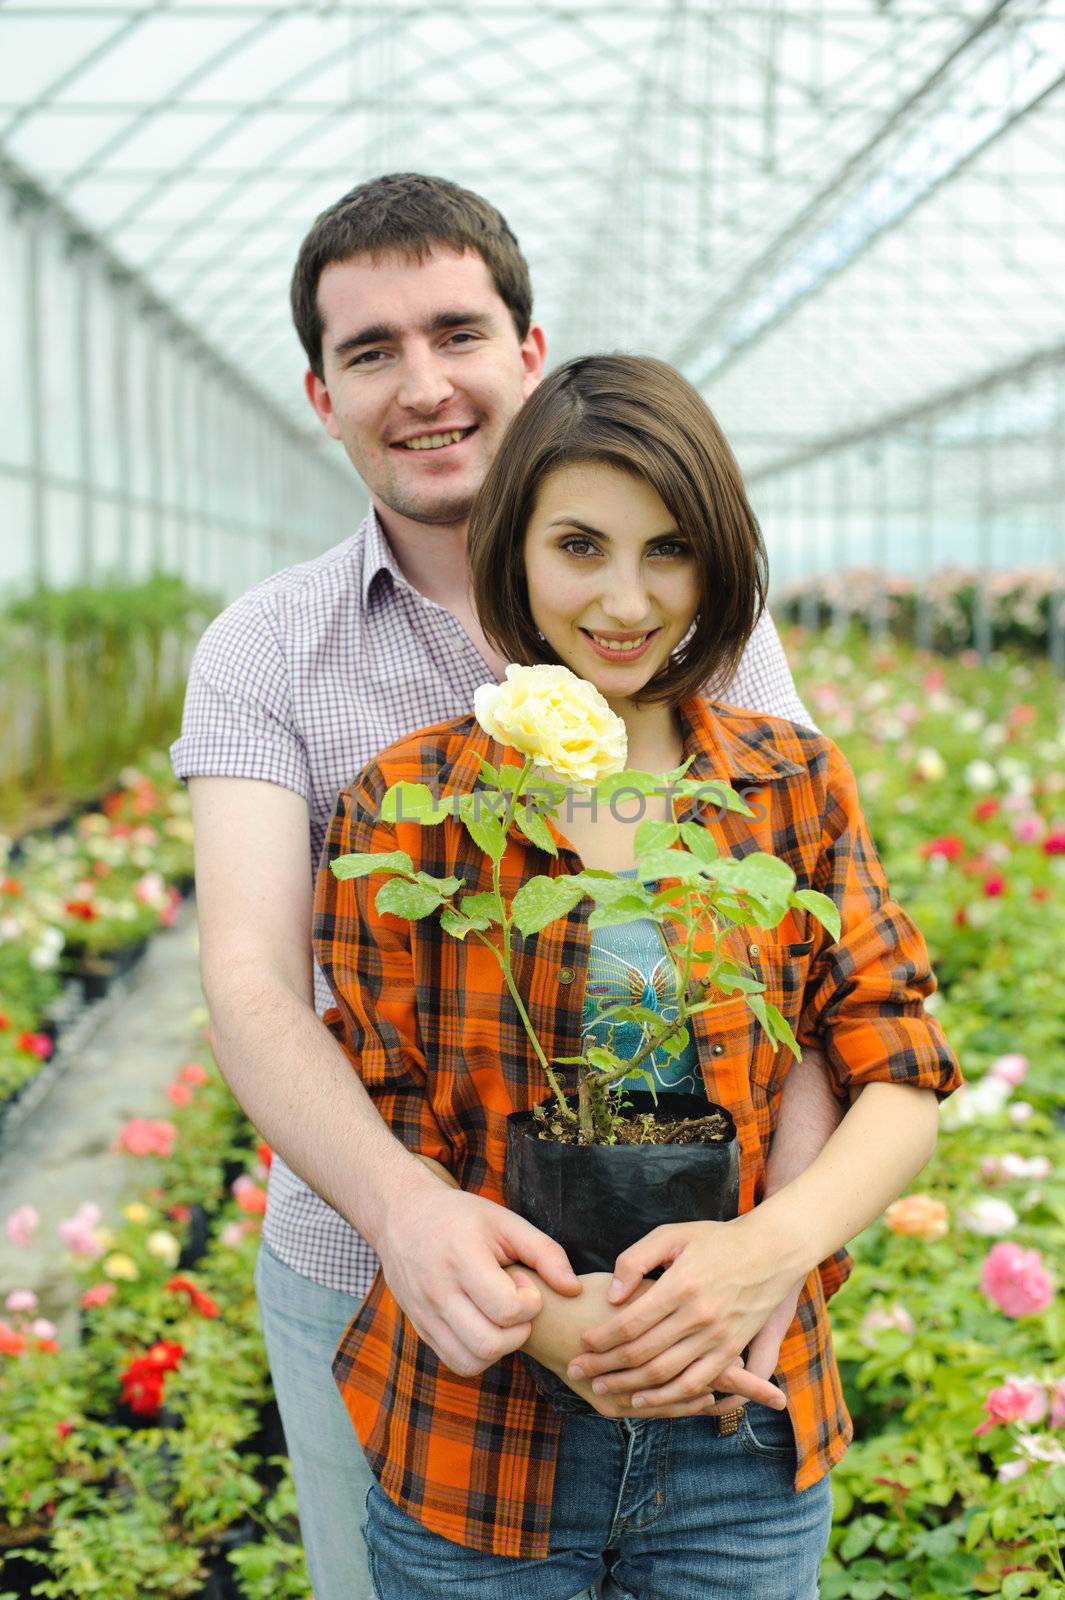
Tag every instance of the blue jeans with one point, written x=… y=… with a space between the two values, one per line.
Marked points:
x=302 y=1325
x=652 y=1510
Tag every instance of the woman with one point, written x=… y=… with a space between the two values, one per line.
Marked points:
x=613 y=535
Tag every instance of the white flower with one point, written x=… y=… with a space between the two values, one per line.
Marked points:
x=164 y=1247
x=558 y=719
x=980 y=776
x=930 y=765
x=1020 y=1112
x=988 y=1217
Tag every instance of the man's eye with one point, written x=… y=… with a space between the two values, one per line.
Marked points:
x=461 y=335
x=365 y=358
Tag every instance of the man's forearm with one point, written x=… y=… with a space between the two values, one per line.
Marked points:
x=299 y=1089
x=884 y=1140
x=808 y=1116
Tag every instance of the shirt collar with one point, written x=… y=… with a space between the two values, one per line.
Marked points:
x=377 y=555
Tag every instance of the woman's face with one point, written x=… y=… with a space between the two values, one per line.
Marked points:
x=612 y=582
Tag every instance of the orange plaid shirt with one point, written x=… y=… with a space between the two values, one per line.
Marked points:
x=430 y=1028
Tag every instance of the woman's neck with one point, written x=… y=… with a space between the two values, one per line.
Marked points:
x=656 y=743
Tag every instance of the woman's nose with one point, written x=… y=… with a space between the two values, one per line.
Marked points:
x=625 y=600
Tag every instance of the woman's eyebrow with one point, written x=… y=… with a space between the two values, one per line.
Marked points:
x=597 y=533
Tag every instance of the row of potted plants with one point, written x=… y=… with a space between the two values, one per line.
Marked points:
x=140 y=1451
x=946 y=610
x=78 y=903
x=951 y=1331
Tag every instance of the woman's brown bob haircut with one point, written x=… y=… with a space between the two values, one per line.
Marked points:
x=640 y=415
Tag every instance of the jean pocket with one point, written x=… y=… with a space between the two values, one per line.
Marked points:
x=764 y=1432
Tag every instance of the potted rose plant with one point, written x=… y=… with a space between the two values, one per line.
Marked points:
x=600 y=1163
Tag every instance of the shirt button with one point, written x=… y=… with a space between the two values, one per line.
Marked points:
x=717 y=1049
x=754 y=951
x=566 y=974
x=458 y=643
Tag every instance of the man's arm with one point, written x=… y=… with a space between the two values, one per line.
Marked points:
x=442 y=1253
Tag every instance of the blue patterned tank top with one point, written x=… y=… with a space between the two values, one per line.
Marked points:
x=630 y=964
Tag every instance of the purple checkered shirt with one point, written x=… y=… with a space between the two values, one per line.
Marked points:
x=302 y=682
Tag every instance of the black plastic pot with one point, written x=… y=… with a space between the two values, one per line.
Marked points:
x=597 y=1200
x=197 y=1237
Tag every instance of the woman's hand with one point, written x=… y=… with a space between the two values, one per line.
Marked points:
x=556 y=1340
x=683 y=1337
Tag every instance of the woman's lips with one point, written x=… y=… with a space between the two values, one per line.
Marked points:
x=621 y=655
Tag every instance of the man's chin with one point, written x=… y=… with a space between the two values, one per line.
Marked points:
x=439 y=511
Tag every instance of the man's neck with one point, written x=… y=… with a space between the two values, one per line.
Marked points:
x=431 y=556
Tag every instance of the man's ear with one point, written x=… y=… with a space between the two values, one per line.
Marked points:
x=317 y=393
x=533 y=352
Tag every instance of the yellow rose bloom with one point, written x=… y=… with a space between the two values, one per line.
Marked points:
x=558 y=719
x=136 y=1212
x=121 y=1266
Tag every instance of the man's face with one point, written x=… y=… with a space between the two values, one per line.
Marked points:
x=423 y=372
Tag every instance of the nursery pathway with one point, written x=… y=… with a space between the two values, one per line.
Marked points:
x=137 y=1038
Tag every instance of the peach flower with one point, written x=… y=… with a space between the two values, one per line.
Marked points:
x=918 y=1214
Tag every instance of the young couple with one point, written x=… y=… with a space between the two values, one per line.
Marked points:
x=610 y=513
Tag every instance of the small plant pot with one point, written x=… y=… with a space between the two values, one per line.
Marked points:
x=597 y=1200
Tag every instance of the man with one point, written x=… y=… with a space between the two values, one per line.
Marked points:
x=412 y=301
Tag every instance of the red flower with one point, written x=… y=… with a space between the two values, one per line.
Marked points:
x=950 y=847
x=98 y=1294
x=11 y=1343
x=166 y=1354
x=179 y=1094
x=142 y=1388
x=10 y=886
x=64 y=1429
x=249 y=1196
x=197 y=1299
x=994 y=886
x=35 y=1044
x=5 y=1021
x=51 y=1346
x=101 y=869
x=265 y=1154
x=1054 y=843
x=179 y=1213
x=1040 y=892
x=1022 y=714
x=983 y=809
x=193 y=1073
x=81 y=908
x=961 y=920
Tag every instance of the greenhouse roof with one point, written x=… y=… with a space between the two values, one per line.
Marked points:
x=828 y=214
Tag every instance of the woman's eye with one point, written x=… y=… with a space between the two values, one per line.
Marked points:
x=578 y=547
x=672 y=549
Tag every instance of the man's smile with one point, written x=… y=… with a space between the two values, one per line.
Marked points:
x=439 y=439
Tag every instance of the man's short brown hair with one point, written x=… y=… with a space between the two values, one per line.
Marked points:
x=406 y=214
x=641 y=416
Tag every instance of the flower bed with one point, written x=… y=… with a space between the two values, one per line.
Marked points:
x=80 y=901
x=140 y=1455
x=950 y=1333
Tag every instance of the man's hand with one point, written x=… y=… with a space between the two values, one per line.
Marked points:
x=724 y=1281
x=443 y=1253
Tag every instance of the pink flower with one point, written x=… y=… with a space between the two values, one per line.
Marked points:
x=21 y=1300
x=878 y=1321
x=1020 y=1112
x=21 y=1225
x=144 y=1136
x=232 y=1234
x=41 y=1328
x=1029 y=829
x=98 y=1295
x=193 y=1073
x=150 y=889
x=1000 y=1169
x=1054 y=843
x=78 y=1232
x=1010 y=1470
x=249 y=1196
x=1012 y=1069
x=1016 y=1280
x=35 y=1044
x=179 y=1094
x=1017 y=1400
x=168 y=915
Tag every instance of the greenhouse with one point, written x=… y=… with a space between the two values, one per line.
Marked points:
x=369 y=369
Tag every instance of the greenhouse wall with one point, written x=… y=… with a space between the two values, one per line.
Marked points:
x=127 y=448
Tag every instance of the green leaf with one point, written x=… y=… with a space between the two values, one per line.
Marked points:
x=485 y=830
x=1018 y=1583
x=410 y=900
x=678 y=772
x=641 y=782
x=459 y=926
x=976 y=1529
x=488 y=772
x=699 y=841
x=756 y=1004
x=780 y=1030
x=414 y=802
x=603 y=1060
x=673 y=1043
x=446 y=886
x=738 y=983
x=363 y=862
x=765 y=876
x=606 y=888
x=715 y=794
x=626 y=1013
x=859 y=1536
x=532 y=825
x=821 y=907
x=652 y=835
x=484 y=905
x=542 y=900
x=672 y=864
x=507 y=777
x=629 y=908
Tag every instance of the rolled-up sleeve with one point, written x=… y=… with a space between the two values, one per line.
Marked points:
x=368 y=962
x=865 y=995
